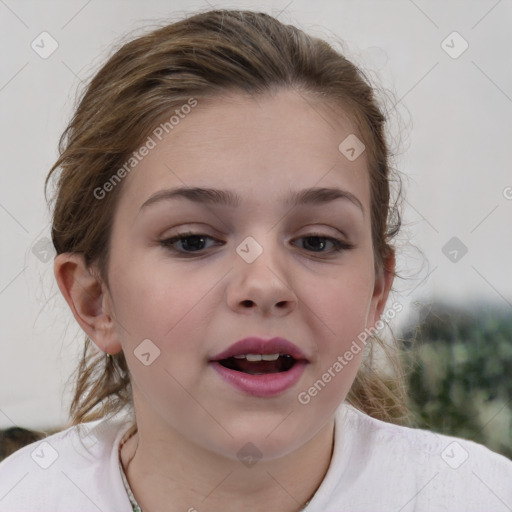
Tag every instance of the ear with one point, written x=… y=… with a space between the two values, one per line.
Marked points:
x=383 y=282
x=89 y=300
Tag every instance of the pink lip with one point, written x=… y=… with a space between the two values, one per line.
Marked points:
x=255 y=345
x=265 y=385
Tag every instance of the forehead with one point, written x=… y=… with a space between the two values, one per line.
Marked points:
x=256 y=145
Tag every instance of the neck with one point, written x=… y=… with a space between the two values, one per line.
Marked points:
x=179 y=476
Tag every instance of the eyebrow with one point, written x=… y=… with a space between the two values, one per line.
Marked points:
x=214 y=196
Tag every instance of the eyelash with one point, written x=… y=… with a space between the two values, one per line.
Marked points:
x=338 y=244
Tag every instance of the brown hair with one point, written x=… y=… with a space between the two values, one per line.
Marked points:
x=208 y=53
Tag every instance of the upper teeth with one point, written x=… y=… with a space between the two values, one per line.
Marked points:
x=258 y=357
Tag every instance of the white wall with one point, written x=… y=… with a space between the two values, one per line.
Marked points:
x=456 y=139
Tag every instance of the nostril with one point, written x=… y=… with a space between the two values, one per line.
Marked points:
x=248 y=303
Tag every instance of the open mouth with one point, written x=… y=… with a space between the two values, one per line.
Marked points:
x=256 y=364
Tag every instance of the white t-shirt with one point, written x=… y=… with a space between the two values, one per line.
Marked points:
x=376 y=467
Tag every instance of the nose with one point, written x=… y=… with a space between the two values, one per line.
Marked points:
x=264 y=285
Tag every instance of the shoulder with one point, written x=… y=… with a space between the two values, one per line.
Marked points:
x=378 y=464
x=75 y=469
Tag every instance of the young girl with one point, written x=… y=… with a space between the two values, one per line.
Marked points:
x=223 y=224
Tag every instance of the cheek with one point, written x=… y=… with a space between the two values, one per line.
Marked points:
x=172 y=309
x=343 y=304
x=341 y=309
x=157 y=297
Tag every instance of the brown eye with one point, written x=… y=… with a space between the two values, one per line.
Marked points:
x=317 y=243
x=190 y=242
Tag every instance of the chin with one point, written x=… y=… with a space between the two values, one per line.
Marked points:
x=266 y=438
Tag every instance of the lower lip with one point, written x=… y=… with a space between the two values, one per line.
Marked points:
x=266 y=385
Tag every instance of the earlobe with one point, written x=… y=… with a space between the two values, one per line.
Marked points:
x=85 y=294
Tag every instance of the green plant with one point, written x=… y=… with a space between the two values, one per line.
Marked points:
x=461 y=367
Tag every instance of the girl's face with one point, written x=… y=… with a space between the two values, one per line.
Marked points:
x=262 y=267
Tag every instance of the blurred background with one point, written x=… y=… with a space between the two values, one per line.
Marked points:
x=443 y=68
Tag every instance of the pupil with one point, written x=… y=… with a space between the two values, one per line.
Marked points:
x=193 y=245
x=319 y=243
